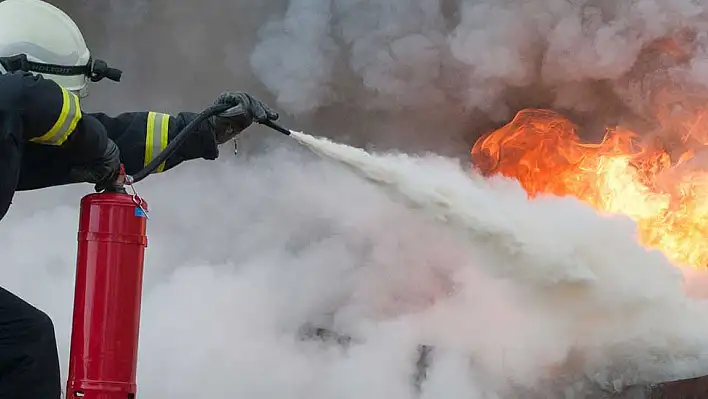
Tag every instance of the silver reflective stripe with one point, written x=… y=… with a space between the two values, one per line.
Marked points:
x=156 y=137
x=66 y=123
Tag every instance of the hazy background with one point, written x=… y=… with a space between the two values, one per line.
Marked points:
x=245 y=250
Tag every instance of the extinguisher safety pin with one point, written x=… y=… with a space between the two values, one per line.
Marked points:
x=139 y=202
x=136 y=198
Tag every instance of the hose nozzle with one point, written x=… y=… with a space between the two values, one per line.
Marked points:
x=276 y=127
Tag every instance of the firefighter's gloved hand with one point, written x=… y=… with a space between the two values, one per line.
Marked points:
x=103 y=172
x=246 y=110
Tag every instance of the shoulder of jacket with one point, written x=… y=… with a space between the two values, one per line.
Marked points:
x=20 y=76
x=13 y=84
x=12 y=87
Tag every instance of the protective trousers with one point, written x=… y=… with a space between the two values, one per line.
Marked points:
x=29 y=362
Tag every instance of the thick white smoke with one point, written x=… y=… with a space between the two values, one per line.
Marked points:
x=520 y=299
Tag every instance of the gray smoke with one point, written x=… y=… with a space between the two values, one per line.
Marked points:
x=489 y=56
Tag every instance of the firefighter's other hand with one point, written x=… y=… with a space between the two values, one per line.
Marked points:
x=104 y=171
x=246 y=109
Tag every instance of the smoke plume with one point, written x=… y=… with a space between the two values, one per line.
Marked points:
x=245 y=250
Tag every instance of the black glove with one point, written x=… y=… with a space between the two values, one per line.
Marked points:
x=246 y=110
x=103 y=172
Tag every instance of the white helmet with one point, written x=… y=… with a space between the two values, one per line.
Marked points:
x=38 y=37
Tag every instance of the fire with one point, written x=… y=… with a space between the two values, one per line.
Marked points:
x=623 y=174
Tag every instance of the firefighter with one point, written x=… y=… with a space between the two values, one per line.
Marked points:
x=47 y=140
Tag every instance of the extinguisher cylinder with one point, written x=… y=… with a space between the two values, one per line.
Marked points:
x=109 y=278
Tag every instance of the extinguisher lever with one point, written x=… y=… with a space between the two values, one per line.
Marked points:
x=118 y=185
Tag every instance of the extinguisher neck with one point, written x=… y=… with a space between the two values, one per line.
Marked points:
x=118 y=189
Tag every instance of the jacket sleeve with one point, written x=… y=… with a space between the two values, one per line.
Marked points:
x=141 y=136
x=60 y=136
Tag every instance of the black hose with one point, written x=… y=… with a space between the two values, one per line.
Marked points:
x=179 y=139
x=191 y=127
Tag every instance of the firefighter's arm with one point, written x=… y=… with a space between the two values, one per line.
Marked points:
x=141 y=136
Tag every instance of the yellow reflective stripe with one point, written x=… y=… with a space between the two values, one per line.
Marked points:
x=164 y=135
x=149 y=137
x=156 y=137
x=66 y=123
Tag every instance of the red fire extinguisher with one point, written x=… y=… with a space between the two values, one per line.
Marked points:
x=109 y=275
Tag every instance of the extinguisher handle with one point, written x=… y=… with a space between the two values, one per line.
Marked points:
x=118 y=185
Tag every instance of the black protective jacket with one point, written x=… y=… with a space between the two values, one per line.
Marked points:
x=44 y=134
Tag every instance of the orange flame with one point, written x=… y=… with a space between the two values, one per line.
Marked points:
x=620 y=175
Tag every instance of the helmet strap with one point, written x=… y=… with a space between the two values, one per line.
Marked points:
x=95 y=70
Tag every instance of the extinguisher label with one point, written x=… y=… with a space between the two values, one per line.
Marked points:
x=139 y=212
